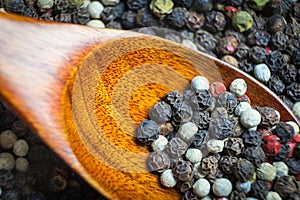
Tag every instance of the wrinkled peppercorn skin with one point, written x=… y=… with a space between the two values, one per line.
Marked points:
x=147 y=132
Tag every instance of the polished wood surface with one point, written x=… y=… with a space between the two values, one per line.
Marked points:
x=84 y=90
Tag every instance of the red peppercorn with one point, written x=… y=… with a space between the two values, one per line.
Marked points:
x=271 y=145
x=298 y=176
x=268 y=50
x=296 y=139
x=292 y=146
x=216 y=88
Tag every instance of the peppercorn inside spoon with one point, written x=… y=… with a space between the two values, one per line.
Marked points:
x=85 y=90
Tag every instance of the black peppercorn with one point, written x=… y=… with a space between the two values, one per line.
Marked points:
x=147 y=132
x=173 y=98
x=19 y=127
x=288 y=73
x=176 y=147
x=202 y=5
x=252 y=138
x=199 y=138
x=238 y=128
x=293 y=91
x=294 y=166
x=80 y=16
x=136 y=4
x=283 y=153
x=227 y=100
x=12 y=194
x=258 y=38
x=183 y=171
x=293 y=28
x=281 y=7
x=236 y=195
x=279 y=40
x=276 y=84
x=183 y=3
x=295 y=195
x=161 y=112
x=183 y=186
x=275 y=61
x=257 y=54
x=205 y=40
x=259 y=189
x=6 y=179
x=296 y=56
x=226 y=45
x=189 y=195
x=61 y=5
x=145 y=18
x=269 y=117
x=220 y=128
x=285 y=186
x=128 y=19
x=6 y=120
x=244 y=170
x=195 y=21
x=296 y=153
x=255 y=155
x=158 y=161
x=183 y=113
x=208 y=165
x=201 y=119
x=227 y=164
x=287 y=101
x=201 y=100
x=15 y=6
x=246 y=66
x=30 y=11
x=233 y=146
x=178 y=18
x=284 y=131
x=215 y=21
x=63 y=17
x=276 y=23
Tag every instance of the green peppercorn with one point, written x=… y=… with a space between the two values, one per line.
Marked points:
x=242 y=21
x=75 y=3
x=257 y=4
x=161 y=8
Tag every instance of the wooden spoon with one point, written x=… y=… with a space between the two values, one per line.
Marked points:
x=84 y=90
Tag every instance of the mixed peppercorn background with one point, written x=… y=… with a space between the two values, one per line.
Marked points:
x=260 y=37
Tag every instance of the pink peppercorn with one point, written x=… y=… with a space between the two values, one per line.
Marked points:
x=296 y=139
x=298 y=176
x=216 y=88
x=271 y=145
x=292 y=147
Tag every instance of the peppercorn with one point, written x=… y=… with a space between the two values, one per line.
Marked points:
x=280 y=7
x=176 y=147
x=178 y=18
x=283 y=153
x=242 y=21
x=201 y=187
x=275 y=61
x=287 y=101
x=193 y=155
x=255 y=155
x=285 y=186
x=201 y=119
x=246 y=66
x=136 y=4
x=230 y=60
x=258 y=38
x=189 y=195
x=6 y=179
x=242 y=51
x=227 y=100
x=234 y=146
x=167 y=178
x=293 y=91
x=220 y=128
x=244 y=170
x=183 y=171
x=271 y=145
x=182 y=113
x=201 y=100
x=276 y=84
x=22 y=165
x=250 y=118
x=219 y=112
x=159 y=144
x=82 y=16
x=161 y=112
x=184 y=186
x=215 y=21
x=294 y=166
x=292 y=28
x=147 y=132
x=284 y=131
x=195 y=21
x=296 y=109
x=288 y=73
x=158 y=161
x=205 y=40
x=269 y=117
x=222 y=187
x=161 y=8
x=145 y=18
x=128 y=19
x=227 y=164
x=6 y=120
x=201 y=6
x=208 y=165
x=14 y=6
x=259 y=189
x=187 y=131
x=226 y=45
x=75 y=3
x=7 y=139
x=276 y=23
x=7 y=161
x=243 y=186
x=12 y=194
x=199 y=138
x=257 y=54
x=257 y=4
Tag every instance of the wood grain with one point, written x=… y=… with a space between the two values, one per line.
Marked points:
x=85 y=90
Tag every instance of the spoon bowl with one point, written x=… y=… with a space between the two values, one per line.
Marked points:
x=84 y=91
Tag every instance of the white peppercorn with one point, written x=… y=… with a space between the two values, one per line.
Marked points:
x=295 y=127
x=44 y=4
x=241 y=107
x=160 y=143
x=7 y=139
x=7 y=161
x=222 y=187
x=281 y=169
x=273 y=196
x=22 y=164
x=266 y=172
x=262 y=72
x=189 y=44
x=215 y=146
x=20 y=148
x=197 y=173
x=96 y=23
x=243 y=186
x=95 y=9
x=200 y=83
x=250 y=118
x=110 y=2
x=187 y=131
x=296 y=109
x=201 y=187
x=167 y=178
x=193 y=155
x=238 y=87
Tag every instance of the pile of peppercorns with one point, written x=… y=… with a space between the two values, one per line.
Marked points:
x=211 y=143
x=29 y=170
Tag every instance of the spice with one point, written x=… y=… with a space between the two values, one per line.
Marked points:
x=252 y=138
x=269 y=117
x=202 y=100
x=281 y=169
x=178 y=18
x=7 y=139
x=238 y=129
x=75 y=3
x=276 y=23
x=246 y=66
x=271 y=145
x=288 y=73
x=242 y=21
x=259 y=189
x=215 y=146
x=176 y=147
x=234 y=146
x=20 y=147
x=284 y=131
x=160 y=112
x=257 y=4
x=203 y=5
x=250 y=118
x=257 y=54
x=219 y=112
x=22 y=165
x=220 y=128
x=243 y=186
x=136 y=4
x=158 y=161
x=201 y=119
x=193 y=155
x=276 y=84
x=296 y=109
x=209 y=165
x=285 y=186
x=258 y=38
x=275 y=61
x=227 y=45
x=294 y=166
x=187 y=131
x=255 y=155
x=113 y=2
x=183 y=170
x=241 y=107
x=195 y=21
x=215 y=21
x=266 y=172
x=95 y=9
x=147 y=132
x=201 y=188
x=160 y=143
x=199 y=138
x=262 y=72
x=167 y=178
x=293 y=91
x=273 y=196
x=161 y=8
x=227 y=100
x=128 y=19
x=244 y=170
x=7 y=161
x=227 y=164
x=222 y=187
x=200 y=83
x=230 y=60
x=145 y=18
